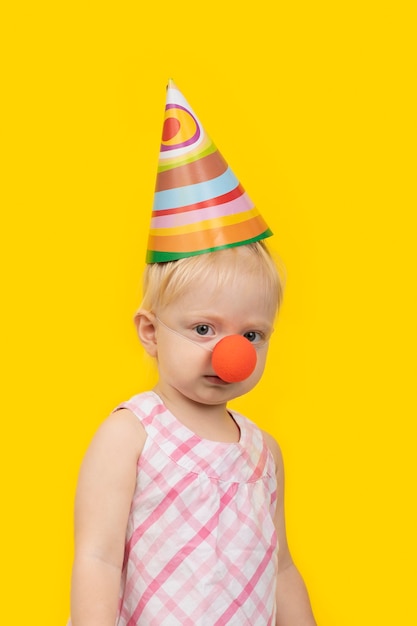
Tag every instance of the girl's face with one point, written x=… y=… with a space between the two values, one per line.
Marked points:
x=205 y=314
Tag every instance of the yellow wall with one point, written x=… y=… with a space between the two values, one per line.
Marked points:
x=312 y=105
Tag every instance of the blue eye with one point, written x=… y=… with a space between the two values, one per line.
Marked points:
x=254 y=337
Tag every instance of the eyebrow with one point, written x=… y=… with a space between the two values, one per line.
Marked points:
x=213 y=316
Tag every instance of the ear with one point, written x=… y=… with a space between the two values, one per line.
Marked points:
x=146 y=329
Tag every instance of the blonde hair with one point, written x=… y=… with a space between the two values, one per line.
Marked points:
x=164 y=282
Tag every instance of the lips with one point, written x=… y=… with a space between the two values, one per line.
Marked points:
x=215 y=380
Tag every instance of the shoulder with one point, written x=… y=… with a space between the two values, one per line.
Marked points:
x=120 y=434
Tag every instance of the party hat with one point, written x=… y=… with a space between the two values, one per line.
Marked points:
x=199 y=205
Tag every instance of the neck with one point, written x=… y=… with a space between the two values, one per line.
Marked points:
x=208 y=421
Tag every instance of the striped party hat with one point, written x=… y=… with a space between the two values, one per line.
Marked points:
x=199 y=204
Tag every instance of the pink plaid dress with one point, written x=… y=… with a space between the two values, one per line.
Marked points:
x=201 y=548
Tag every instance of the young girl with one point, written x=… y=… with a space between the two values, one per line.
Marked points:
x=179 y=515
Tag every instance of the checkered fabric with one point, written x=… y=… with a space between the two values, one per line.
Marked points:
x=201 y=548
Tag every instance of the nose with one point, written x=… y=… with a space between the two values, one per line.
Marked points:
x=234 y=358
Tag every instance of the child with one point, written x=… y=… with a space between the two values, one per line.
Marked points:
x=179 y=515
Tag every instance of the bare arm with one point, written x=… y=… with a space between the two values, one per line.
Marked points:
x=104 y=494
x=293 y=604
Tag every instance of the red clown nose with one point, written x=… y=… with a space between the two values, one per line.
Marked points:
x=234 y=358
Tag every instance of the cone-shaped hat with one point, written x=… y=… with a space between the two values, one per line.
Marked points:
x=199 y=204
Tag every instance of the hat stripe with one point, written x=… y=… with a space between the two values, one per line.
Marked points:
x=199 y=224
x=225 y=236
x=226 y=197
x=206 y=147
x=239 y=205
x=207 y=168
x=155 y=256
x=174 y=198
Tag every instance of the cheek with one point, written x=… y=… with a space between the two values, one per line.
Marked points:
x=181 y=357
x=260 y=366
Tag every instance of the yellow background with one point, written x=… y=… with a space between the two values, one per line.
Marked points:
x=312 y=104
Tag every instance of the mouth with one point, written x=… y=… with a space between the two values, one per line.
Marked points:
x=215 y=380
